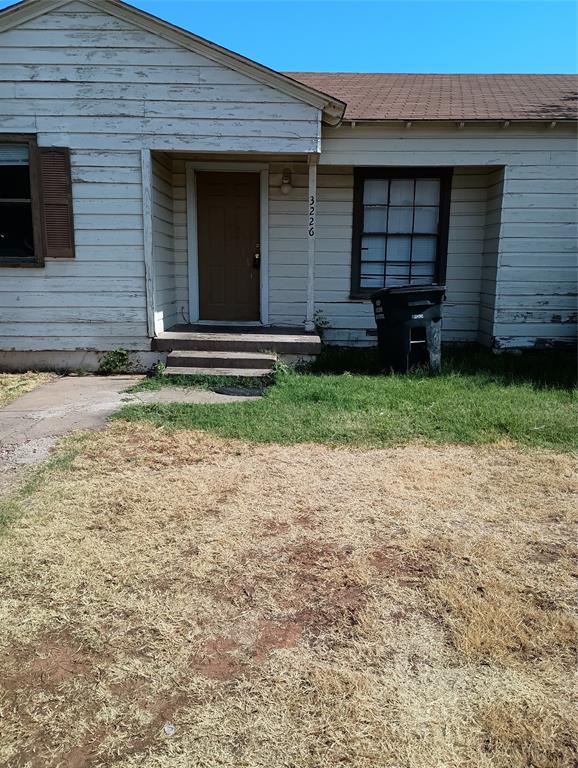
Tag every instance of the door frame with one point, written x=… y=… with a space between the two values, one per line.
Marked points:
x=191 y=169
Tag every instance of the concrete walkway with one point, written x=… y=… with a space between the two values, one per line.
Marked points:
x=30 y=425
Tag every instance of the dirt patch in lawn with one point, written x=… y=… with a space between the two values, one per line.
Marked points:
x=56 y=660
x=294 y=607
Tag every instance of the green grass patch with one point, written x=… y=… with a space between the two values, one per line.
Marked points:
x=479 y=398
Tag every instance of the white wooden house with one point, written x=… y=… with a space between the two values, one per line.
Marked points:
x=156 y=187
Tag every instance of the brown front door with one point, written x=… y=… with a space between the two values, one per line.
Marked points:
x=228 y=222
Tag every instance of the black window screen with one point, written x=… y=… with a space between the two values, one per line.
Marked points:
x=16 y=228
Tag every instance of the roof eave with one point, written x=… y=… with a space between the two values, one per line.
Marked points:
x=470 y=120
x=26 y=10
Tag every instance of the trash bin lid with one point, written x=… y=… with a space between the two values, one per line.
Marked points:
x=399 y=290
x=401 y=294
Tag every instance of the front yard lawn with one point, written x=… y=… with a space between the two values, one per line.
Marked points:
x=290 y=606
x=379 y=574
x=478 y=399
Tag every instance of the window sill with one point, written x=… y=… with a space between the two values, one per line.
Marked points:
x=362 y=298
x=21 y=264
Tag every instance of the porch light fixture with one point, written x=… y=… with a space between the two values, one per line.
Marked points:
x=286 y=182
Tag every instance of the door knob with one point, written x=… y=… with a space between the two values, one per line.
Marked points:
x=257 y=260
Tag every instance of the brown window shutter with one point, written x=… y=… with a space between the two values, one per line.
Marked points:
x=56 y=203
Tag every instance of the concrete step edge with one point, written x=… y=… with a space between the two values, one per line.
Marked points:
x=253 y=373
x=245 y=346
x=208 y=354
x=220 y=362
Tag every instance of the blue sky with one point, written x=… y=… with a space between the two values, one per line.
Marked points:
x=386 y=35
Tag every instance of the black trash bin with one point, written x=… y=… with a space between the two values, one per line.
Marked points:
x=409 y=326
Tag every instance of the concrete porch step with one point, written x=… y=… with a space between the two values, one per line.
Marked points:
x=217 y=359
x=245 y=373
x=267 y=340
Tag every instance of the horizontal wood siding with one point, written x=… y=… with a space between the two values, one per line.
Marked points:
x=351 y=319
x=163 y=244
x=287 y=242
x=180 y=242
x=536 y=292
x=492 y=229
x=86 y=80
x=513 y=242
x=475 y=248
x=96 y=300
x=288 y=246
x=465 y=254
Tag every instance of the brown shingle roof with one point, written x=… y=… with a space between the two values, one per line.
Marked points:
x=449 y=97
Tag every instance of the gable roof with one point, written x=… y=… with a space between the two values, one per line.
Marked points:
x=449 y=97
x=332 y=108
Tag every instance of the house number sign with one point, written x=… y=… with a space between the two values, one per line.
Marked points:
x=312 y=215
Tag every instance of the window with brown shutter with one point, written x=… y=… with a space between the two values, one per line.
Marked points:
x=36 y=220
x=56 y=202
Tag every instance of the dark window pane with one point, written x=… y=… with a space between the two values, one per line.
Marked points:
x=424 y=249
x=368 y=281
x=373 y=248
x=14 y=182
x=401 y=220
x=407 y=211
x=375 y=219
x=427 y=191
x=375 y=192
x=401 y=192
x=16 y=233
x=426 y=220
x=398 y=249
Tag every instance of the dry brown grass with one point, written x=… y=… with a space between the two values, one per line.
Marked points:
x=12 y=385
x=289 y=608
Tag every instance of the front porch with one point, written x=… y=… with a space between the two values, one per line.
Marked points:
x=285 y=259
x=232 y=240
x=246 y=351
